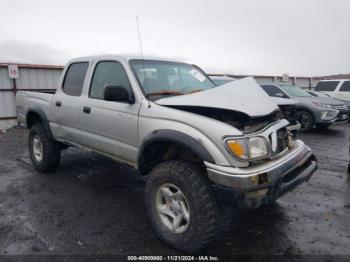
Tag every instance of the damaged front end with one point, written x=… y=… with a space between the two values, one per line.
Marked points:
x=239 y=120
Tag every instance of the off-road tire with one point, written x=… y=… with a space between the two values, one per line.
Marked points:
x=205 y=222
x=305 y=126
x=51 y=149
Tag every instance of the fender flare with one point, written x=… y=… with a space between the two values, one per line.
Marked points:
x=177 y=137
x=38 y=111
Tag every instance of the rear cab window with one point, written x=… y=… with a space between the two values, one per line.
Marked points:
x=345 y=87
x=74 y=79
x=327 y=86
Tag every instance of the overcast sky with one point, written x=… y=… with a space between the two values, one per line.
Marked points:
x=299 y=37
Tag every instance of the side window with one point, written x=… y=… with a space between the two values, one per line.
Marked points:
x=108 y=73
x=326 y=86
x=274 y=91
x=74 y=79
x=345 y=87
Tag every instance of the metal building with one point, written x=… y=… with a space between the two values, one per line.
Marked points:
x=302 y=81
x=17 y=77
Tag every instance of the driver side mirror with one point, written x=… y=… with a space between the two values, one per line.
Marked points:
x=118 y=93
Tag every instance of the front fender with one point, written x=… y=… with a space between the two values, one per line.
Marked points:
x=167 y=135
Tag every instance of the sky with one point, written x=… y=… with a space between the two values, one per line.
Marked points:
x=261 y=37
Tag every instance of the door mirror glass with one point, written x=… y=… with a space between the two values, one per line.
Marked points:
x=117 y=93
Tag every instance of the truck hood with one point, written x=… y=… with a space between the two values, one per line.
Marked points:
x=243 y=95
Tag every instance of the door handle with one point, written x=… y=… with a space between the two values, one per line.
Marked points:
x=87 y=109
x=58 y=103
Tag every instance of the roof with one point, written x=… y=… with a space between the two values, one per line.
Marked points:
x=124 y=57
x=335 y=79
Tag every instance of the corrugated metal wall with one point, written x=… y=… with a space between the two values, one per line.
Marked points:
x=30 y=78
x=303 y=82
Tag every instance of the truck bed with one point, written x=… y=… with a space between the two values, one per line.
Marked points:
x=29 y=99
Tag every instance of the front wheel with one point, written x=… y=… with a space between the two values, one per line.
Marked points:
x=306 y=120
x=181 y=207
x=45 y=153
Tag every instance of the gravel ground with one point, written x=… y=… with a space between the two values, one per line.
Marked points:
x=93 y=205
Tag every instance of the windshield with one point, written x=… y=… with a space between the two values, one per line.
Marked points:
x=296 y=91
x=161 y=78
x=220 y=82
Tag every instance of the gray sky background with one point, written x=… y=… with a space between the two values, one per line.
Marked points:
x=299 y=37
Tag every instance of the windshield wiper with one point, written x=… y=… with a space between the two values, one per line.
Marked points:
x=164 y=92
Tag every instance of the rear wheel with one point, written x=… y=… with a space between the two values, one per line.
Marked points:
x=45 y=153
x=181 y=207
x=306 y=120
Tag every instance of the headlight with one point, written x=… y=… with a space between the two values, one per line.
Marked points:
x=248 y=148
x=322 y=105
x=329 y=115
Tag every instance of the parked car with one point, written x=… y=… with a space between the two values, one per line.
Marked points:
x=311 y=110
x=337 y=88
x=317 y=94
x=199 y=148
x=287 y=106
x=320 y=94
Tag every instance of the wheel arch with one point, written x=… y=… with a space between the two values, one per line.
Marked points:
x=35 y=115
x=162 y=145
x=310 y=111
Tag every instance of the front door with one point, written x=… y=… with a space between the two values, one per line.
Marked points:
x=109 y=127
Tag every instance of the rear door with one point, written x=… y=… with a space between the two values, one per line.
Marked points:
x=64 y=118
x=344 y=91
x=109 y=127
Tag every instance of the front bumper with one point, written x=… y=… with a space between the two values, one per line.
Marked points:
x=254 y=186
x=343 y=116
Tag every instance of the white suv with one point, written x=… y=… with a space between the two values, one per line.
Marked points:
x=337 y=88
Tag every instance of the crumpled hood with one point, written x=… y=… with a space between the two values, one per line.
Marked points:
x=243 y=95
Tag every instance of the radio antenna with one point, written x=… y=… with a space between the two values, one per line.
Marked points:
x=139 y=36
x=141 y=54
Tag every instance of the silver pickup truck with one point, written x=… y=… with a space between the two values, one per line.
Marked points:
x=200 y=148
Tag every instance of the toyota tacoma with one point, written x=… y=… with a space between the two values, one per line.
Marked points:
x=201 y=149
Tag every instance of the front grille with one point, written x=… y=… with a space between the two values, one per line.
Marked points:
x=282 y=140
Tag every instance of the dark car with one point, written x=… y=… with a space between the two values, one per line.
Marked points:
x=311 y=110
